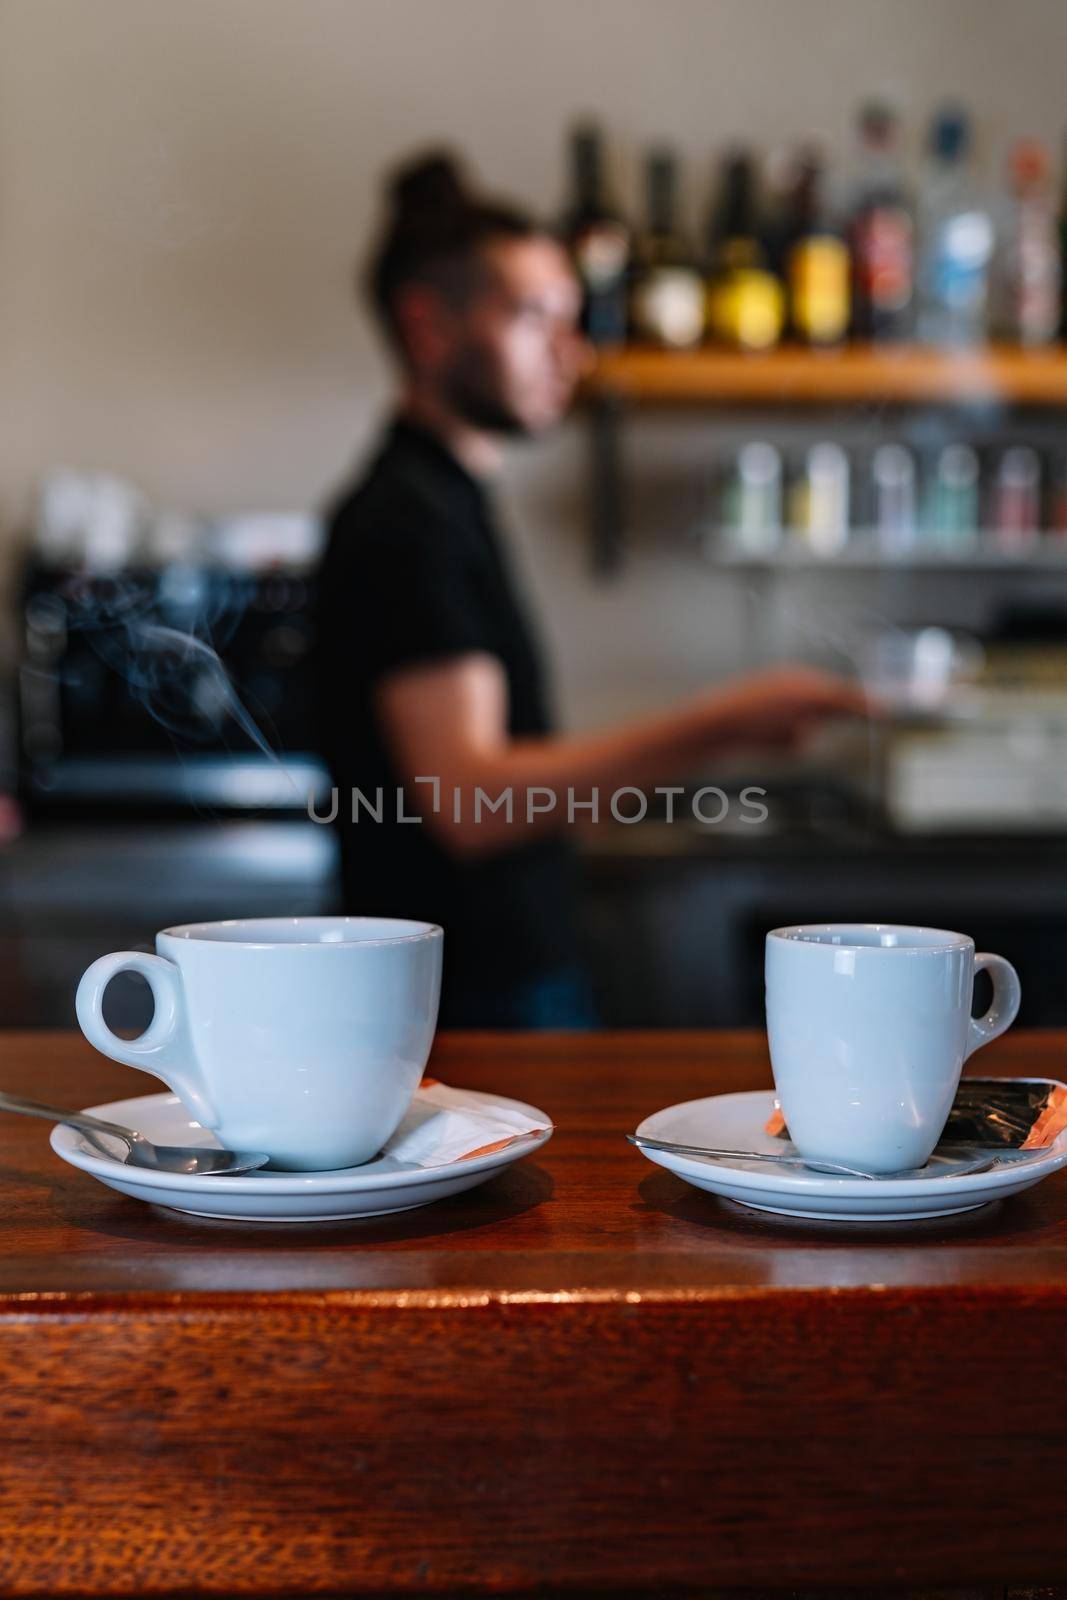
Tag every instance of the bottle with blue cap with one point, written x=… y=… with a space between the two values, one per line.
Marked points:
x=956 y=238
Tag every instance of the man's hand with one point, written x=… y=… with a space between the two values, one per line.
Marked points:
x=781 y=705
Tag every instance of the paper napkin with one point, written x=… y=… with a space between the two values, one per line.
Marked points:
x=443 y=1125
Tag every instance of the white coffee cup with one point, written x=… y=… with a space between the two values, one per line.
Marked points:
x=869 y=1026
x=304 y=1037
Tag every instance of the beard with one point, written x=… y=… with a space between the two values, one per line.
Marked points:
x=474 y=392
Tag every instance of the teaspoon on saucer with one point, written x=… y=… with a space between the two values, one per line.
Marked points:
x=141 y=1152
x=643 y=1142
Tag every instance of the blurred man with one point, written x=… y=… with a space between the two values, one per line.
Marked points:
x=430 y=672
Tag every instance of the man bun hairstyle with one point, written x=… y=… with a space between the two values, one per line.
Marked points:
x=427 y=186
x=435 y=230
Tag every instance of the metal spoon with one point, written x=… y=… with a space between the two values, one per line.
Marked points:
x=643 y=1142
x=141 y=1151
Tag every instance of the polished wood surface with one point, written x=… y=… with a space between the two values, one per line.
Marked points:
x=584 y=1375
x=855 y=374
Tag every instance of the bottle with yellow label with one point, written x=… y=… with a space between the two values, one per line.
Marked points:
x=746 y=303
x=818 y=264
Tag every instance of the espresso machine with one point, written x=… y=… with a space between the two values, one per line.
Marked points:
x=170 y=680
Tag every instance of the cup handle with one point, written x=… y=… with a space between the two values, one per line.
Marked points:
x=164 y=1049
x=1004 y=1007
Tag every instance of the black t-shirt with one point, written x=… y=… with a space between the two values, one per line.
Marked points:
x=414 y=573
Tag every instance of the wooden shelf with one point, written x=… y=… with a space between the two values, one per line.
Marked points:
x=855 y=374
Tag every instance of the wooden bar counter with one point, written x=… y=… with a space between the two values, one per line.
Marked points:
x=583 y=1376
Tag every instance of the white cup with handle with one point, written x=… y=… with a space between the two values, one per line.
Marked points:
x=304 y=1037
x=869 y=1025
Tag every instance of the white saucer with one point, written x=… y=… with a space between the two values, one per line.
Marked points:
x=373 y=1189
x=737 y=1121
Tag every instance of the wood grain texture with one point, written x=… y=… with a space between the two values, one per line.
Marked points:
x=583 y=1376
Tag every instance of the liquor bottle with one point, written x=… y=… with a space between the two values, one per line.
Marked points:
x=779 y=182
x=955 y=239
x=746 y=305
x=1028 y=260
x=752 y=509
x=667 y=301
x=1062 y=229
x=1017 y=499
x=820 y=501
x=599 y=242
x=893 y=482
x=952 y=519
x=817 y=261
x=882 y=233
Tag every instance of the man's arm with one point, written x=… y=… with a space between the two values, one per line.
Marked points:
x=448 y=721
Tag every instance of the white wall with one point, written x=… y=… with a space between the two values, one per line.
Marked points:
x=184 y=185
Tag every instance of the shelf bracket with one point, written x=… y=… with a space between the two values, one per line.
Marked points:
x=606 y=511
